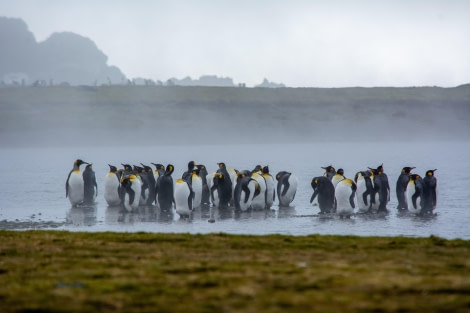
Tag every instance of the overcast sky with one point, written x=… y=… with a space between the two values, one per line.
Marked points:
x=298 y=43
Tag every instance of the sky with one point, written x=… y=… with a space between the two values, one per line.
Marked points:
x=299 y=43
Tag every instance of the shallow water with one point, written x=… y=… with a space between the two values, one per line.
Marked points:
x=32 y=189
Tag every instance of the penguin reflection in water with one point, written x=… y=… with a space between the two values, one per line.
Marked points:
x=75 y=184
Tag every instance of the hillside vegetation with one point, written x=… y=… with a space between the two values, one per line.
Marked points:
x=181 y=115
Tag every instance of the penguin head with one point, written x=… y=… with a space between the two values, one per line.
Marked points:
x=329 y=168
x=380 y=168
x=340 y=171
x=414 y=177
x=221 y=165
x=258 y=168
x=169 y=169
x=138 y=169
x=112 y=168
x=406 y=169
x=280 y=174
x=158 y=166
x=266 y=169
x=314 y=182
x=79 y=162
x=89 y=166
x=431 y=172
x=191 y=165
x=127 y=167
x=147 y=168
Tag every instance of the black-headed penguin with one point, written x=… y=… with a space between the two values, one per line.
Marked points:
x=90 y=186
x=183 y=198
x=324 y=189
x=430 y=192
x=402 y=183
x=164 y=189
x=414 y=193
x=112 y=186
x=74 y=186
x=286 y=188
x=131 y=188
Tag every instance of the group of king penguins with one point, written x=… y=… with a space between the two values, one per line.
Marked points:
x=370 y=188
x=135 y=186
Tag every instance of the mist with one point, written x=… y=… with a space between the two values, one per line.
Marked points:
x=161 y=115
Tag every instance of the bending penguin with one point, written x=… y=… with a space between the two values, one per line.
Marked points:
x=75 y=186
x=90 y=191
x=112 y=187
x=246 y=189
x=324 y=189
x=286 y=187
x=131 y=189
x=183 y=198
x=402 y=183
x=345 y=192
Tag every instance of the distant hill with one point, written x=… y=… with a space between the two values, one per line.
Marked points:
x=159 y=115
x=63 y=58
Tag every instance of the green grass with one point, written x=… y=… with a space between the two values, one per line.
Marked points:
x=51 y=271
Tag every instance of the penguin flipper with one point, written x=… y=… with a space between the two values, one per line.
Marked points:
x=67 y=185
x=315 y=193
x=131 y=196
x=286 y=187
x=351 y=200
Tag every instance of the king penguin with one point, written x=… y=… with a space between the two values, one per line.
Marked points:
x=364 y=191
x=131 y=187
x=339 y=176
x=183 y=198
x=259 y=203
x=246 y=189
x=414 y=193
x=112 y=187
x=222 y=186
x=164 y=189
x=270 y=189
x=324 y=189
x=195 y=182
x=381 y=188
x=74 y=186
x=402 y=183
x=206 y=195
x=286 y=188
x=148 y=178
x=430 y=192
x=345 y=192
x=159 y=170
x=90 y=191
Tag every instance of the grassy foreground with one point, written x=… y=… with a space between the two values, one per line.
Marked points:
x=52 y=271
